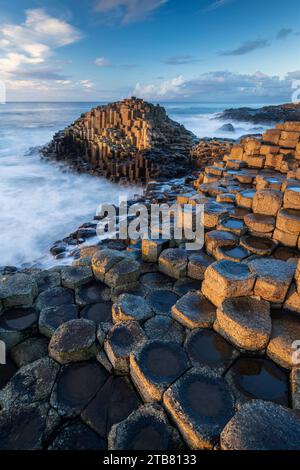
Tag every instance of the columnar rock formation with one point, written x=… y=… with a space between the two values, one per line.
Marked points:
x=130 y=139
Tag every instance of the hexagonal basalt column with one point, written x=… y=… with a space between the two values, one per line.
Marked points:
x=103 y=261
x=292 y=198
x=260 y=223
x=123 y=339
x=17 y=290
x=232 y=253
x=232 y=225
x=226 y=279
x=261 y=425
x=258 y=246
x=274 y=278
x=197 y=265
x=295 y=387
x=131 y=307
x=73 y=277
x=201 y=405
x=17 y=324
x=245 y=199
x=162 y=301
x=193 y=310
x=164 y=327
x=208 y=351
x=282 y=347
x=54 y=297
x=267 y=202
x=155 y=366
x=173 y=262
x=245 y=322
x=218 y=238
x=151 y=249
x=258 y=378
x=126 y=272
x=145 y=429
x=74 y=341
x=213 y=212
x=100 y=313
x=51 y=318
x=92 y=293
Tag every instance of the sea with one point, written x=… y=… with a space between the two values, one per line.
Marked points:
x=42 y=202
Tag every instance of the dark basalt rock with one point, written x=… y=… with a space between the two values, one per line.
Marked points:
x=32 y=383
x=72 y=276
x=17 y=324
x=131 y=307
x=76 y=436
x=30 y=350
x=156 y=280
x=92 y=293
x=54 y=297
x=47 y=279
x=76 y=386
x=209 y=351
x=226 y=128
x=201 y=405
x=113 y=403
x=193 y=310
x=262 y=425
x=266 y=114
x=155 y=366
x=164 y=327
x=100 y=313
x=145 y=429
x=51 y=318
x=7 y=371
x=162 y=301
x=259 y=378
x=258 y=246
x=185 y=285
x=26 y=428
x=18 y=290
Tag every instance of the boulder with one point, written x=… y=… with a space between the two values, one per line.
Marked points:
x=74 y=341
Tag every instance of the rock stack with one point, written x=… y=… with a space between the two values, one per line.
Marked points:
x=131 y=140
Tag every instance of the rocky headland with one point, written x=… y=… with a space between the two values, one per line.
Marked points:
x=130 y=140
x=145 y=345
x=264 y=115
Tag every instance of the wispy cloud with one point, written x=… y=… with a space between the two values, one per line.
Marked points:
x=284 y=33
x=128 y=11
x=182 y=60
x=217 y=4
x=246 y=47
x=102 y=62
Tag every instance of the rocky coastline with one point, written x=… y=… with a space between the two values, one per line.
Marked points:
x=85 y=341
x=265 y=115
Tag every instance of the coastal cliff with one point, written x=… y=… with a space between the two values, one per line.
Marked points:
x=130 y=139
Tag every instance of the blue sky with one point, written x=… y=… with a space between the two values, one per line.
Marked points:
x=233 y=51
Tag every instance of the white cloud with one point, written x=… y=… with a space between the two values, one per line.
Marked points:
x=30 y=44
x=128 y=11
x=221 y=86
x=102 y=62
x=217 y=4
x=87 y=84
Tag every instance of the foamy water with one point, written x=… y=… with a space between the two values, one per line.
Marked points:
x=41 y=202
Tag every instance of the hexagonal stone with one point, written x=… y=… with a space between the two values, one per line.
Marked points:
x=185 y=285
x=123 y=273
x=155 y=366
x=7 y=371
x=113 y=403
x=47 y=279
x=295 y=387
x=164 y=327
x=173 y=262
x=74 y=341
x=232 y=253
x=32 y=383
x=193 y=310
x=232 y=225
x=145 y=429
x=76 y=436
x=288 y=220
x=76 y=386
x=245 y=322
x=162 y=301
x=285 y=334
x=26 y=428
x=156 y=280
x=122 y=339
x=30 y=350
x=51 y=318
x=17 y=324
x=258 y=378
x=217 y=238
x=292 y=198
x=72 y=276
x=267 y=202
x=233 y=280
x=262 y=425
x=245 y=198
x=213 y=212
x=92 y=293
x=151 y=249
x=100 y=313
x=54 y=297
x=260 y=223
x=209 y=351
x=103 y=261
x=131 y=307
x=200 y=405
x=18 y=290
x=258 y=246
x=274 y=278
x=197 y=265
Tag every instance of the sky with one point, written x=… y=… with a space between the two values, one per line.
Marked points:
x=225 y=51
